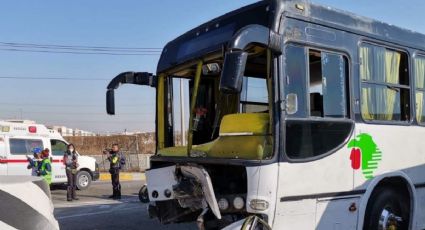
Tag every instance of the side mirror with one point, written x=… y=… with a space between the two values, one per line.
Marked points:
x=110 y=102
x=233 y=72
x=135 y=78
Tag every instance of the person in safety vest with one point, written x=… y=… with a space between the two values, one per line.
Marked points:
x=46 y=166
x=117 y=160
x=34 y=163
x=70 y=160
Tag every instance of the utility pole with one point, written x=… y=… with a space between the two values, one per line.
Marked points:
x=182 y=113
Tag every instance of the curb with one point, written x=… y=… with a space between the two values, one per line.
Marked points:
x=123 y=176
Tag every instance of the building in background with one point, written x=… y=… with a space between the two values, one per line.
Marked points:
x=67 y=132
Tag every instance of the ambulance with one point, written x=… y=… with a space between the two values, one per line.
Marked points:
x=19 y=138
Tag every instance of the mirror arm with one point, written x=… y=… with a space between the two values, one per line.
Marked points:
x=256 y=34
x=136 y=78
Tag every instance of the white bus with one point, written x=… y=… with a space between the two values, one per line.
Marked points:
x=17 y=141
x=301 y=117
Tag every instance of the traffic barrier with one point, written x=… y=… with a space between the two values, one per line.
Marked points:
x=25 y=203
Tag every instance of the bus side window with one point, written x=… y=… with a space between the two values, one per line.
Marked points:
x=327 y=84
x=296 y=80
x=385 y=94
x=322 y=81
x=254 y=95
x=420 y=89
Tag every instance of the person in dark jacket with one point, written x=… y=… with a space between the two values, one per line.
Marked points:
x=35 y=162
x=70 y=160
x=117 y=160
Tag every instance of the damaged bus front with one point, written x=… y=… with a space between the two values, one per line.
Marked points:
x=217 y=120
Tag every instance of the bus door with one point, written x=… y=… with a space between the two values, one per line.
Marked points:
x=19 y=149
x=318 y=126
x=58 y=148
x=3 y=156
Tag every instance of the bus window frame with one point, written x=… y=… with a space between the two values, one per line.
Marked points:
x=276 y=67
x=349 y=99
x=408 y=54
x=415 y=56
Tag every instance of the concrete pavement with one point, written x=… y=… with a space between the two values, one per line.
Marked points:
x=95 y=211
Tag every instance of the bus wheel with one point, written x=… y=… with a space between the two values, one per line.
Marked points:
x=143 y=194
x=83 y=180
x=387 y=209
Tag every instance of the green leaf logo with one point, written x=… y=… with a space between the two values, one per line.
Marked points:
x=365 y=154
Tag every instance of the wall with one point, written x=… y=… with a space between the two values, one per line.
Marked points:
x=136 y=148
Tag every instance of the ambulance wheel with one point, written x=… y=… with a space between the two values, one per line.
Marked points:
x=143 y=194
x=83 y=180
x=387 y=209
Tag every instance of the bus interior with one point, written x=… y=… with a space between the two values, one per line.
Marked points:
x=220 y=121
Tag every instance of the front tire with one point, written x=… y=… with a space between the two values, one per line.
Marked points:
x=84 y=180
x=143 y=194
x=387 y=209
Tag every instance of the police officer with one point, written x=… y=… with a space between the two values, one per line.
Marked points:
x=70 y=160
x=117 y=160
x=46 y=166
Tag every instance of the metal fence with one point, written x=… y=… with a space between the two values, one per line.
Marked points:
x=134 y=162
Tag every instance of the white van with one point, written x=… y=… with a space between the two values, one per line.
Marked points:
x=18 y=139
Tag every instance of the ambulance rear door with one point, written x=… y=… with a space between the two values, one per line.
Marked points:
x=19 y=148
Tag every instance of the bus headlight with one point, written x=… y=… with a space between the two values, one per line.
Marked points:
x=223 y=204
x=259 y=205
x=238 y=202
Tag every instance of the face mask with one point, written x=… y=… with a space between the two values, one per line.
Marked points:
x=71 y=150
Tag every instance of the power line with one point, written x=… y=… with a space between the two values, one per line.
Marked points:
x=73 y=106
x=74 y=49
x=70 y=113
x=71 y=52
x=97 y=121
x=76 y=46
x=55 y=78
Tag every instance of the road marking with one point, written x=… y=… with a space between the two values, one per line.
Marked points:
x=94 y=213
x=95 y=203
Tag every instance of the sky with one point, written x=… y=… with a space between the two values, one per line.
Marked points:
x=126 y=23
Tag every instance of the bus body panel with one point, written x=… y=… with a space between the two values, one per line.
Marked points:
x=402 y=156
x=298 y=205
x=263 y=186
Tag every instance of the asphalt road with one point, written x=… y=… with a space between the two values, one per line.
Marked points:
x=95 y=211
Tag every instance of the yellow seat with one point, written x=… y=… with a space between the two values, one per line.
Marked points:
x=244 y=136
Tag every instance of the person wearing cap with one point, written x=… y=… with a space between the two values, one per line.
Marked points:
x=46 y=166
x=34 y=163
x=70 y=160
